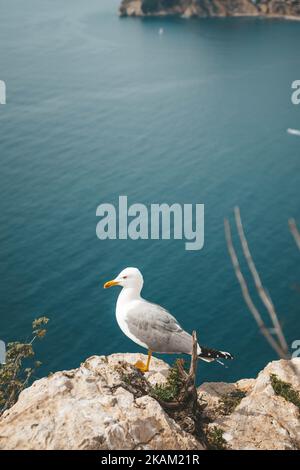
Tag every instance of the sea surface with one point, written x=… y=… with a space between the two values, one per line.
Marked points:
x=98 y=107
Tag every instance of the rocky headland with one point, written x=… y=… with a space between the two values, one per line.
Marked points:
x=289 y=9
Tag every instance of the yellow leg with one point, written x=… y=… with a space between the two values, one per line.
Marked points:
x=148 y=360
x=144 y=367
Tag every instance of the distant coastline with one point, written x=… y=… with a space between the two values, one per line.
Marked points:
x=289 y=10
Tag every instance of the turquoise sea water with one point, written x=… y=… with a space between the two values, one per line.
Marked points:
x=99 y=106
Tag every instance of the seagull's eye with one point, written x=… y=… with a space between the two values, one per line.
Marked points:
x=124 y=277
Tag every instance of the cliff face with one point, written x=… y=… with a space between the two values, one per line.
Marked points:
x=211 y=8
x=101 y=405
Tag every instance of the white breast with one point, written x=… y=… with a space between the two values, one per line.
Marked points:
x=123 y=306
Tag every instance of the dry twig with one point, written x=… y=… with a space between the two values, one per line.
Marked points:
x=246 y=294
x=265 y=298
x=294 y=231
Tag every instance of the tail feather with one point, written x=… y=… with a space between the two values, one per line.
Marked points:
x=210 y=355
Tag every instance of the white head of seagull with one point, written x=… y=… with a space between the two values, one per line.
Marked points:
x=129 y=278
x=152 y=326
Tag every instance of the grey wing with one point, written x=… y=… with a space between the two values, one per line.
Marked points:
x=158 y=329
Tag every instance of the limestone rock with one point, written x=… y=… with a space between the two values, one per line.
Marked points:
x=101 y=405
x=90 y=408
x=131 y=8
x=262 y=420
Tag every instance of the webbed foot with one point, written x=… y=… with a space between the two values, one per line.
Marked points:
x=141 y=366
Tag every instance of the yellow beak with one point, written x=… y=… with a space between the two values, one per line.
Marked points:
x=110 y=284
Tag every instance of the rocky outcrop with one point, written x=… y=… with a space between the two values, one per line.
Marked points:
x=102 y=405
x=90 y=408
x=261 y=419
x=211 y=8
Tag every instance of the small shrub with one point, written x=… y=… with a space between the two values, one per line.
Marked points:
x=285 y=390
x=20 y=366
x=170 y=390
x=215 y=439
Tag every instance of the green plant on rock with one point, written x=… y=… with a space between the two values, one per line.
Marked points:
x=20 y=366
x=285 y=390
x=170 y=390
x=215 y=439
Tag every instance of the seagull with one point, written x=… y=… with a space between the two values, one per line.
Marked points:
x=150 y=325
